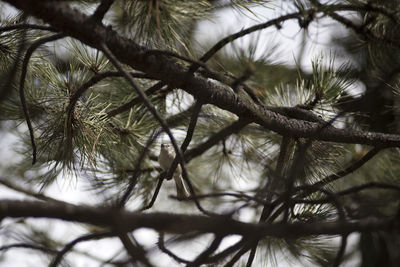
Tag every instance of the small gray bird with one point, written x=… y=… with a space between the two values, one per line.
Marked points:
x=167 y=155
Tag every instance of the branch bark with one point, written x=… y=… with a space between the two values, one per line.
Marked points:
x=182 y=223
x=76 y=24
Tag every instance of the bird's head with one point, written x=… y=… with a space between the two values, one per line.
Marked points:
x=165 y=146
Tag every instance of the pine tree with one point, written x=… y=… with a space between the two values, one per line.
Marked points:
x=286 y=159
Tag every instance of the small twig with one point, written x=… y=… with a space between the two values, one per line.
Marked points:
x=28 y=192
x=333 y=177
x=97 y=78
x=226 y=252
x=237 y=256
x=135 y=251
x=68 y=247
x=136 y=170
x=370 y=185
x=156 y=191
x=235 y=195
x=135 y=100
x=267 y=209
x=27 y=26
x=342 y=218
x=228 y=78
x=162 y=247
x=361 y=29
x=25 y=63
x=29 y=246
x=238 y=81
x=207 y=252
x=296 y=169
x=352 y=190
x=242 y=33
x=216 y=138
x=186 y=141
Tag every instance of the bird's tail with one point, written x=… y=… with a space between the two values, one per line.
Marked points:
x=181 y=190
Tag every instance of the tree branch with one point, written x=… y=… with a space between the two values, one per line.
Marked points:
x=163 y=248
x=25 y=63
x=182 y=223
x=77 y=25
x=27 y=26
x=68 y=247
x=216 y=138
x=353 y=167
x=26 y=191
x=102 y=9
x=136 y=252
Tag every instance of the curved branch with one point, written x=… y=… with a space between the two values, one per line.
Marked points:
x=136 y=170
x=232 y=37
x=26 y=191
x=216 y=138
x=333 y=177
x=207 y=252
x=97 y=78
x=162 y=247
x=28 y=246
x=135 y=100
x=156 y=191
x=186 y=141
x=135 y=251
x=25 y=63
x=68 y=247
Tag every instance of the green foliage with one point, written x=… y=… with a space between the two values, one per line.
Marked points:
x=160 y=24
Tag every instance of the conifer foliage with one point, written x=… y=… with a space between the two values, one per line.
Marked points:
x=281 y=159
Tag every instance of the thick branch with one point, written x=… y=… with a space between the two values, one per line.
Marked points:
x=78 y=25
x=182 y=223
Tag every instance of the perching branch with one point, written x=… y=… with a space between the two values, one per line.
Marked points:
x=186 y=141
x=158 y=117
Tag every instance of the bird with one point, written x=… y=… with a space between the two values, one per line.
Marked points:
x=165 y=159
